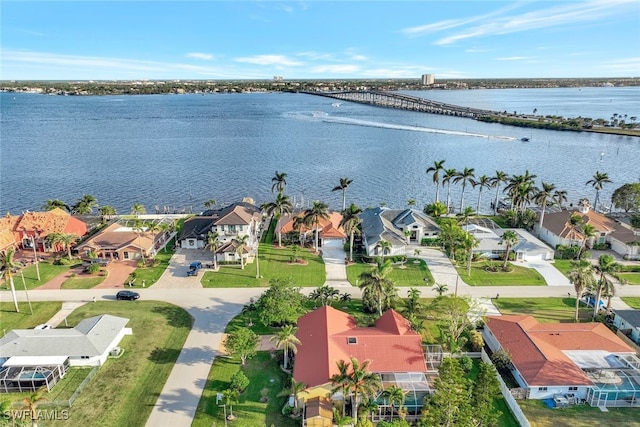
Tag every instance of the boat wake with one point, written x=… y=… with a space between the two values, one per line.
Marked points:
x=325 y=117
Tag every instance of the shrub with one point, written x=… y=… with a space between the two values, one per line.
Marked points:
x=239 y=381
x=93 y=268
x=466 y=363
x=433 y=242
x=141 y=263
x=476 y=341
x=502 y=360
x=567 y=252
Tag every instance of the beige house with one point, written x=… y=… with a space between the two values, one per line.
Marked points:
x=120 y=242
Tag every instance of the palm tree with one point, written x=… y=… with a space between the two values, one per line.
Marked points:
x=65 y=239
x=588 y=232
x=411 y=203
x=107 y=210
x=278 y=208
x=210 y=203
x=384 y=247
x=52 y=204
x=362 y=382
x=296 y=388
x=312 y=217
x=581 y=275
x=449 y=175
x=31 y=403
x=597 y=181
x=138 y=227
x=279 y=182
x=509 y=238
x=375 y=281
x=7 y=265
x=344 y=183
x=213 y=243
x=440 y=288
x=465 y=215
x=85 y=205
x=138 y=209
x=498 y=179
x=560 y=197
x=242 y=242
x=520 y=190
x=395 y=396
x=468 y=243
x=287 y=341
x=435 y=170
x=350 y=223
x=230 y=397
x=606 y=265
x=340 y=381
x=465 y=176
x=483 y=182
x=544 y=198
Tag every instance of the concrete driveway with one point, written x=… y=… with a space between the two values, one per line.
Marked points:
x=333 y=256
x=551 y=275
x=175 y=276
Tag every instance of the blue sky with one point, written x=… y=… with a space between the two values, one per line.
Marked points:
x=93 y=40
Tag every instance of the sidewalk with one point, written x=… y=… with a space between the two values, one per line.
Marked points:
x=66 y=310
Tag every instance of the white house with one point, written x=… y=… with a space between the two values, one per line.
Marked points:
x=47 y=353
x=628 y=322
x=399 y=227
x=528 y=247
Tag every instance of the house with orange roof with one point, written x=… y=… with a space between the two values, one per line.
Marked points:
x=35 y=227
x=395 y=352
x=556 y=230
x=329 y=229
x=583 y=361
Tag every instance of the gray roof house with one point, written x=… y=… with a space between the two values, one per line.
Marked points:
x=382 y=223
x=628 y=322
x=527 y=248
x=35 y=358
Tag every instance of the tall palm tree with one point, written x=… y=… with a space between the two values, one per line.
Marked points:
x=213 y=243
x=344 y=183
x=107 y=210
x=597 y=181
x=384 y=247
x=447 y=178
x=362 y=382
x=544 y=198
x=340 y=382
x=52 y=204
x=581 y=275
x=509 y=238
x=350 y=223
x=499 y=178
x=312 y=217
x=7 y=265
x=278 y=208
x=468 y=243
x=520 y=190
x=560 y=197
x=395 y=396
x=85 y=205
x=375 y=282
x=138 y=209
x=210 y=203
x=482 y=182
x=464 y=177
x=279 y=181
x=242 y=242
x=65 y=239
x=606 y=265
x=465 y=215
x=588 y=232
x=138 y=227
x=287 y=341
x=436 y=169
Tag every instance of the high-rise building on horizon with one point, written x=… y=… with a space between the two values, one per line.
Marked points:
x=428 y=79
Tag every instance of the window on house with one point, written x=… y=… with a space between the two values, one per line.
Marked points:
x=542 y=389
x=352 y=340
x=240 y=227
x=222 y=228
x=84 y=357
x=126 y=255
x=573 y=388
x=232 y=229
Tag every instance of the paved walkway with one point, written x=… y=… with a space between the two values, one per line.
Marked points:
x=57 y=281
x=335 y=268
x=66 y=310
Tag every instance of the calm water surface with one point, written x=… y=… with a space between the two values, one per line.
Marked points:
x=178 y=151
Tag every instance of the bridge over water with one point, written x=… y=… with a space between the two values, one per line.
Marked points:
x=404 y=102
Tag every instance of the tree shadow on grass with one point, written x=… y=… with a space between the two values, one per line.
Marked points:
x=176 y=316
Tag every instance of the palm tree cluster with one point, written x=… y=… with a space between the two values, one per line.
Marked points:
x=358 y=383
x=377 y=287
x=521 y=190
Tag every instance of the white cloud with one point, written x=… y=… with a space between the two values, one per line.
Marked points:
x=476 y=50
x=550 y=17
x=316 y=56
x=200 y=55
x=269 y=60
x=336 y=69
x=630 y=66
x=512 y=58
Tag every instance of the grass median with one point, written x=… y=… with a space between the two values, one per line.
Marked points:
x=517 y=276
x=412 y=273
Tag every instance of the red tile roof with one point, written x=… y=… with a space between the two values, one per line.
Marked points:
x=325 y=334
x=40 y=223
x=537 y=349
x=329 y=227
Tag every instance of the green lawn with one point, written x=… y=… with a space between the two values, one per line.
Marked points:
x=47 y=272
x=274 y=262
x=632 y=278
x=546 y=310
x=42 y=312
x=632 y=301
x=82 y=282
x=414 y=273
x=563 y=265
x=518 y=276
x=265 y=376
x=62 y=391
x=150 y=275
x=125 y=389
x=578 y=416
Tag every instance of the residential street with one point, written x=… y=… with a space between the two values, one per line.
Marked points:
x=212 y=309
